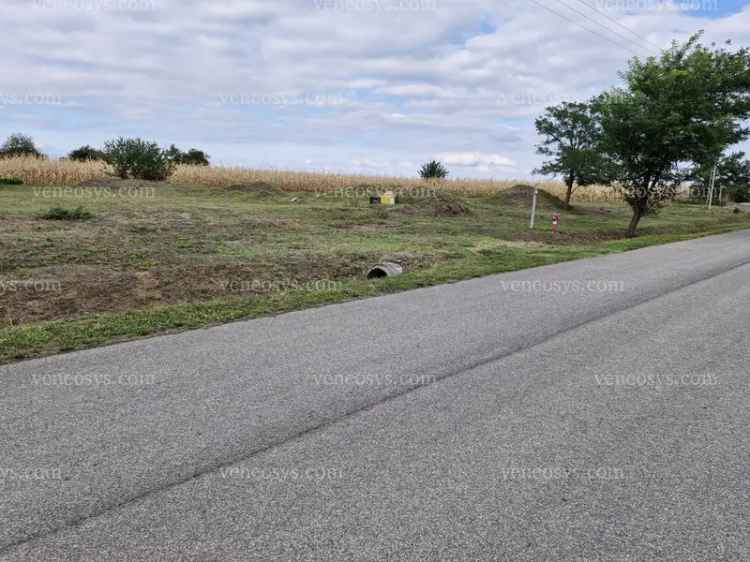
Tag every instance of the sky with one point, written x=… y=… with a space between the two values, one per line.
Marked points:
x=356 y=86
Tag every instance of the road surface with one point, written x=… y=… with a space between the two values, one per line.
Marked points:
x=592 y=410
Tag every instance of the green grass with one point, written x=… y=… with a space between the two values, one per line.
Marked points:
x=172 y=258
x=61 y=214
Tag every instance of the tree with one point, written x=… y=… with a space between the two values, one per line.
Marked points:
x=433 y=170
x=732 y=174
x=570 y=132
x=687 y=105
x=87 y=154
x=138 y=159
x=192 y=157
x=173 y=154
x=19 y=145
x=195 y=157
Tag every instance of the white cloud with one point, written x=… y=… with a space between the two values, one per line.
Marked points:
x=448 y=79
x=476 y=159
x=416 y=90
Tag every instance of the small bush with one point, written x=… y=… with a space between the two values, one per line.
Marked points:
x=60 y=214
x=138 y=159
x=433 y=170
x=87 y=154
x=11 y=181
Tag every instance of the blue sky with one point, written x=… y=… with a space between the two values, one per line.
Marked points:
x=368 y=86
x=719 y=8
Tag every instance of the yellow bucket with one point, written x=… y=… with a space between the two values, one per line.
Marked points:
x=388 y=198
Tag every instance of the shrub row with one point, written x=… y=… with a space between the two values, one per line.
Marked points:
x=131 y=158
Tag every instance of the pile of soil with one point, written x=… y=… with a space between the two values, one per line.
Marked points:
x=437 y=203
x=523 y=195
x=448 y=205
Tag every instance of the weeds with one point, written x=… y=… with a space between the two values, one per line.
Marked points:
x=60 y=214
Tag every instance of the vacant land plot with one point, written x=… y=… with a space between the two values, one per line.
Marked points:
x=154 y=257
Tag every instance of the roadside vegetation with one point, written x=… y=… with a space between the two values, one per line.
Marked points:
x=131 y=258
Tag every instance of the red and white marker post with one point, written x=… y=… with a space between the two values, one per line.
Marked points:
x=555 y=224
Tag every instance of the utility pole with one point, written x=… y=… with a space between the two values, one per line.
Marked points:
x=711 y=186
x=533 y=208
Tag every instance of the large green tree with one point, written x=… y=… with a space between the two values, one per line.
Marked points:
x=685 y=106
x=570 y=132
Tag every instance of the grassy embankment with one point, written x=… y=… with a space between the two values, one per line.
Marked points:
x=162 y=257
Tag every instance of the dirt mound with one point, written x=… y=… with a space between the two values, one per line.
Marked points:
x=260 y=188
x=448 y=205
x=437 y=203
x=523 y=195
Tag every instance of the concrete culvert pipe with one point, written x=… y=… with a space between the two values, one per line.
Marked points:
x=385 y=269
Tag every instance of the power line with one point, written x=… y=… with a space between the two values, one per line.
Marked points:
x=623 y=26
x=600 y=24
x=565 y=17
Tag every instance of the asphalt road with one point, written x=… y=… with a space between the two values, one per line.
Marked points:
x=594 y=410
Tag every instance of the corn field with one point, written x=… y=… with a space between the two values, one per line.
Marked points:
x=320 y=182
x=37 y=171
x=34 y=171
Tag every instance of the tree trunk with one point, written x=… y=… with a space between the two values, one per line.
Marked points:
x=637 y=214
x=569 y=193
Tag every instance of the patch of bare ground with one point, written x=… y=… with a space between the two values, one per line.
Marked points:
x=73 y=291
